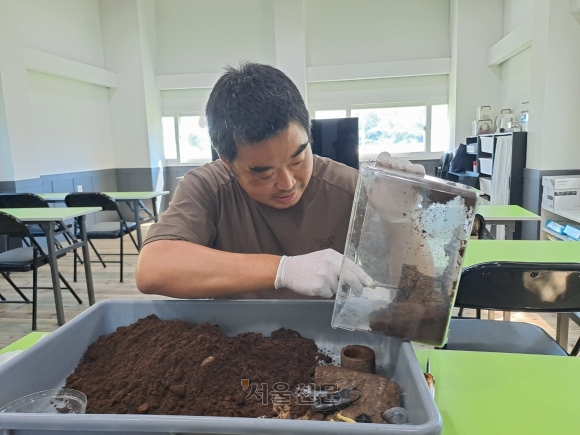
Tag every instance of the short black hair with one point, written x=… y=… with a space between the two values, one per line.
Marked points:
x=250 y=104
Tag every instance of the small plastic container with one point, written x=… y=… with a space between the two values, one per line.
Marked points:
x=408 y=233
x=55 y=401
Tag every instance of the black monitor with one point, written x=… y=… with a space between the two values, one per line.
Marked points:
x=336 y=139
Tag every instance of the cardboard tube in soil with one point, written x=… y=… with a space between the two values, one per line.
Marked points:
x=356 y=357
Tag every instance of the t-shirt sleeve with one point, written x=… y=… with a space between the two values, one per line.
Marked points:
x=192 y=213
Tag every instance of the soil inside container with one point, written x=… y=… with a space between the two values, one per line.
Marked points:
x=417 y=312
x=175 y=367
x=422 y=306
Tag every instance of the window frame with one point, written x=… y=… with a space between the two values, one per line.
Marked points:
x=424 y=155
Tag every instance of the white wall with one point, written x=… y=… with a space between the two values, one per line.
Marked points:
x=515 y=13
x=66 y=28
x=394 y=90
x=196 y=36
x=290 y=41
x=18 y=118
x=553 y=141
x=515 y=80
x=71 y=123
x=54 y=125
x=6 y=168
x=336 y=32
x=516 y=71
x=346 y=32
x=184 y=100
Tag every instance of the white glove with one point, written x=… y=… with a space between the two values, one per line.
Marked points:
x=317 y=274
x=384 y=159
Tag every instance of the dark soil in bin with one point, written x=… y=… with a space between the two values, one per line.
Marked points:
x=175 y=367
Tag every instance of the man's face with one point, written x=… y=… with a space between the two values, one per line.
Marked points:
x=276 y=171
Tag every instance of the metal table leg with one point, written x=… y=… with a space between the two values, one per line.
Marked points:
x=86 y=259
x=135 y=204
x=510 y=228
x=562 y=324
x=48 y=228
x=155 y=213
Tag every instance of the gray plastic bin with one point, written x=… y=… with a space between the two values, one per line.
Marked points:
x=49 y=362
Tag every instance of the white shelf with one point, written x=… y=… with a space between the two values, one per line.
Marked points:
x=559 y=236
x=573 y=215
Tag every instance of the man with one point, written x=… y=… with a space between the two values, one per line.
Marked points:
x=267 y=220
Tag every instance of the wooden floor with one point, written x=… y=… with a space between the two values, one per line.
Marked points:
x=16 y=319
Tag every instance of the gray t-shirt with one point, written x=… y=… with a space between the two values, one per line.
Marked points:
x=211 y=209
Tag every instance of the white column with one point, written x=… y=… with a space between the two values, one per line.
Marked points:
x=475 y=27
x=17 y=141
x=289 y=29
x=129 y=44
x=146 y=10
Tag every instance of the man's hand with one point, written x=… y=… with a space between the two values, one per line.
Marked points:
x=384 y=159
x=317 y=274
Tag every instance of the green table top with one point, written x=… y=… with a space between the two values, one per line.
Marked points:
x=119 y=196
x=506 y=213
x=49 y=214
x=525 y=251
x=25 y=342
x=501 y=393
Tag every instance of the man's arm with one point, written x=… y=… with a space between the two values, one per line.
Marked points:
x=183 y=269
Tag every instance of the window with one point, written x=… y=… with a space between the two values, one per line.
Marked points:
x=185 y=140
x=194 y=142
x=169 y=142
x=440 y=128
x=398 y=130
x=329 y=114
x=412 y=130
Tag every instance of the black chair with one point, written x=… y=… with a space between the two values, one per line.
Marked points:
x=575 y=317
x=508 y=286
x=24 y=259
x=479 y=226
x=24 y=200
x=443 y=168
x=103 y=230
x=31 y=200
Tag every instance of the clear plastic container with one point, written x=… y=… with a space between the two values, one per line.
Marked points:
x=408 y=233
x=56 y=401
